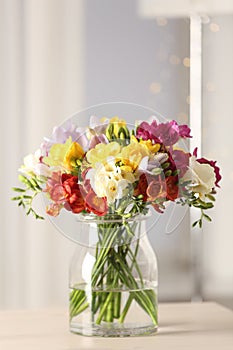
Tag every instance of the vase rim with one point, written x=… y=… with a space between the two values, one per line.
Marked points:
x=87 y=218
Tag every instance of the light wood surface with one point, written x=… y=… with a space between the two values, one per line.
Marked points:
x=181 y=326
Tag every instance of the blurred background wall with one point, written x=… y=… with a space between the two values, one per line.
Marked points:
x=59 y=56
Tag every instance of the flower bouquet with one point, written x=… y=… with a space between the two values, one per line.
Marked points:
x=109 y=175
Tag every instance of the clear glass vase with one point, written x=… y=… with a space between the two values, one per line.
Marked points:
x=113 y=279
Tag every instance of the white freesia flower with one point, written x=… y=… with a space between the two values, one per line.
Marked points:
x=32 y=164
x=108 y=181
x=202 y=177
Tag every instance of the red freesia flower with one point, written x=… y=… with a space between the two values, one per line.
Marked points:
x=73 y=195
x=96 y=205
x=141 y=187
x=172 y=188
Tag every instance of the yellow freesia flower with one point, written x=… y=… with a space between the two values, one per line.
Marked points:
x=102 y=151
x=74 y=153
x=57 y=153
x=64 y=155
x=153 y=148
x=132 y=154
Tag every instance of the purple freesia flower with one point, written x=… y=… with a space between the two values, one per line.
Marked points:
x=95 y=139
x=61 y=133
x=97 y=125
x=164 y=133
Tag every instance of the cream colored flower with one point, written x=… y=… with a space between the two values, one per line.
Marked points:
x=202 y=177
x=33 y=165
x=108 y=181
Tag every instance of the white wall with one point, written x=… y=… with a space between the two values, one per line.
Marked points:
x=218 y=144
x=41 y=84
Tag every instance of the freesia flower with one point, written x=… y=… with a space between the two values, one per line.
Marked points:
x=179 y=160
x=74 y=199
x=95 y=204
x=101 y=152
x=74 y=153
x=141 y=187
x=96 y=139
x=57 y=154
x=156 y=189
x=211 y=163
x=202 y=177
x=132 y=154
x=107 y=181
x=98 y=125
x=54 y=209
x=172 y=188
x=103 y=167
x=166 y=133
x=61 y=133
x=64 y=155
x=33 y=165
x=150 y=165
x=55 y=188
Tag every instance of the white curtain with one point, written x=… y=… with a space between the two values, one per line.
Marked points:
x=41 y=83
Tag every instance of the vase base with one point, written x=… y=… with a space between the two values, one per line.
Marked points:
x=116 y=330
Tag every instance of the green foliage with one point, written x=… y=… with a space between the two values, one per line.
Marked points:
x=27 y=194
x=189 y=198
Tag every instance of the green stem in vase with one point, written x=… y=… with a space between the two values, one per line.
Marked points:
x=126 y=308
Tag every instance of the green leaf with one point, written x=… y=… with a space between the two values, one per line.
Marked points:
x=176 y=172
x=17 y=189
x=207 y=217
x=16 y=198
x=212 y=198
x=26 y=196
x=195 y=223
x=168 y=173
x=165 y=165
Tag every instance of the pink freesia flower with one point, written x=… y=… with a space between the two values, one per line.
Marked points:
x=179 y=160
x=184 y=131
x=55 y=189
x=165 y=133
x=147 y=131
x=168 y=133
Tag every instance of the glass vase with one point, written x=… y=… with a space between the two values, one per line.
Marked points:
x=113 y=279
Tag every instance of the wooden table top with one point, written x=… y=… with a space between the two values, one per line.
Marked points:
x=181 y=326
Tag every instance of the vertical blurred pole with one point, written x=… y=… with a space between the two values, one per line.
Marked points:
x=196 y=141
